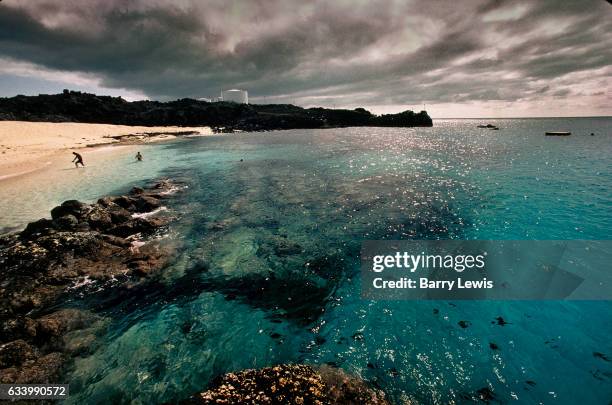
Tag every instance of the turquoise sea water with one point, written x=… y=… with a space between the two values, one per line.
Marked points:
x=267 y=267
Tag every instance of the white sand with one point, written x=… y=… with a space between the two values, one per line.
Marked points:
x=29 y=146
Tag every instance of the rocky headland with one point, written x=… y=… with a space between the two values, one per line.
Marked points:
x=72 y=106
x=109 y=241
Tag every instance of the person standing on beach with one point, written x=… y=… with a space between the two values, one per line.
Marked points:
x=77 y=159
x=139 y=157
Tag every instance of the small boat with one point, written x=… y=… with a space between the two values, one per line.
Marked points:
x=558 y=133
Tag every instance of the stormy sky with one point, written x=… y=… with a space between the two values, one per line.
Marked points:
x=468 y=58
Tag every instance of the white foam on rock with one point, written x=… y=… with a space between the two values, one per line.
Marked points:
x=81 y=283
x=173 y=189
x=150 y=213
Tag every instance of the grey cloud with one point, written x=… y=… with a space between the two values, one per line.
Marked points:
x=305 y=50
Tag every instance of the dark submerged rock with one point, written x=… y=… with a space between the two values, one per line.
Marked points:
x=286 y=248
x=482 y=395
x=53 y=326
x=464 y=324
x=485 y=394
x=500 y=321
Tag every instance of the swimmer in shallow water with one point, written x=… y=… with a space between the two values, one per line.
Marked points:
x=139 y=157
x=77 y=159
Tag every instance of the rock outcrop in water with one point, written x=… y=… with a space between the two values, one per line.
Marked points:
x=289 y=384
x=40 y=265
x=74 y=106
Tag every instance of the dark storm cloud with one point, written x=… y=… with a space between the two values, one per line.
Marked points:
x=386 y=52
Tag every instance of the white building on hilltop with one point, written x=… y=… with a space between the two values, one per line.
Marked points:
x=236 y=96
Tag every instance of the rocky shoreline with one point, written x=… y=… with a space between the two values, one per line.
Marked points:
x=81 y=243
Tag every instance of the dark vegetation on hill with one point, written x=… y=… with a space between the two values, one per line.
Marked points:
x=73 y=106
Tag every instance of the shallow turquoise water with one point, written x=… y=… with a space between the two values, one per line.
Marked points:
x=279 y=280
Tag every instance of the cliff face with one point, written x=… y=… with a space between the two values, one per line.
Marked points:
x=73 y=106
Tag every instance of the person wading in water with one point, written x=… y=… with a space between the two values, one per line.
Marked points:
x=77 y=159
x=139 y=157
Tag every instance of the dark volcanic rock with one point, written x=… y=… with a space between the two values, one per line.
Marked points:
x=70 y=207
x=51 y=327
x=18 y=328
x=118 y=214
x=37 y=227
x=43 y=370
x=124 y=202
x=146 y=203
x=137 y=225
x=116 y=240
x=105 y=201
x=16 y=353
x=99 y=218
x=66 y=222
x=289 y=384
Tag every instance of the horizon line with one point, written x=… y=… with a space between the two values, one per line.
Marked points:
x=521 y=118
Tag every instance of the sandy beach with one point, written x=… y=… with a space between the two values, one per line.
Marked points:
x=30 y=146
